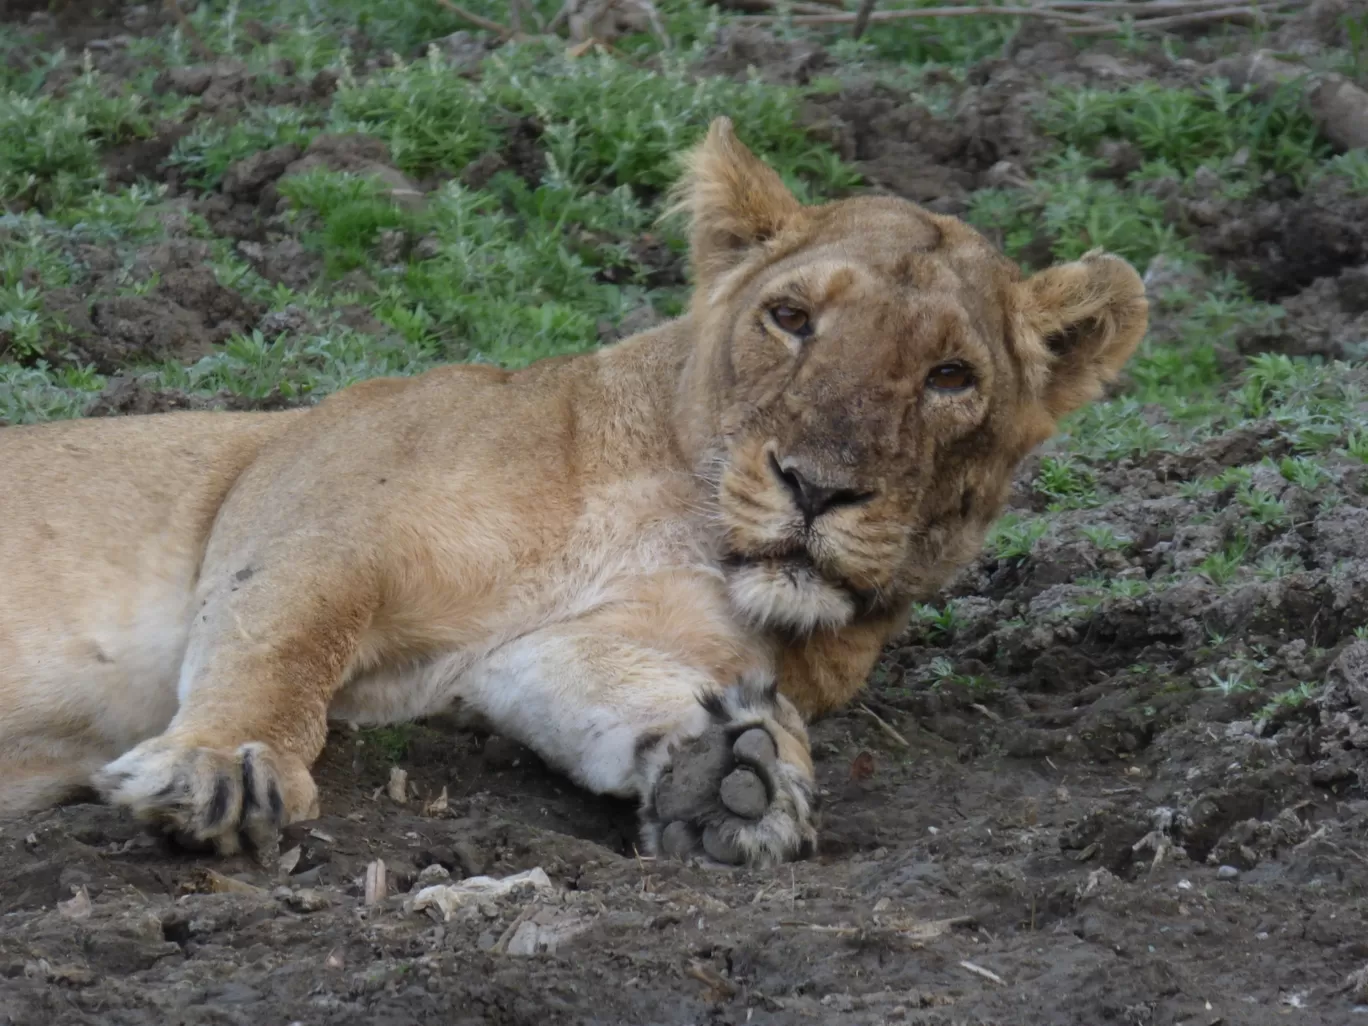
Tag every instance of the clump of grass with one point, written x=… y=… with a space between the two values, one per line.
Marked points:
x=1014 y=537
x=1076 y=213
x=1303 y=472
x=29 y=395
x=1273 y=566
x=1285 y=703
x=431 y=119
x=941 y=623
x=1222 y=565
x=609 y=122
x=1181 y=130
x=1067 y=483
x=942 y=671
x=1351 y=168
x=392 y=742
x=212 y=146
x=1103 y=538
x=1263 y=507
x=1234 y=683
x=1109 y=431
x=52 y=144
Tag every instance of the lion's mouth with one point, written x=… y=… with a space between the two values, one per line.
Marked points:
x=797 y=564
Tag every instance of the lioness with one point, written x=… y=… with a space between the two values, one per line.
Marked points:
x=649 y=563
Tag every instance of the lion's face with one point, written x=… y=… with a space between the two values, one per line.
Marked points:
x=867 y=377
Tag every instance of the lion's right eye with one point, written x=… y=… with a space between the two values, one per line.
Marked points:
x=950 y=377
x=792 y=320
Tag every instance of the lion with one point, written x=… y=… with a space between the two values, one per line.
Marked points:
x=654 y=563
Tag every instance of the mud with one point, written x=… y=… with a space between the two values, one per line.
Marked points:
x=1048 y=811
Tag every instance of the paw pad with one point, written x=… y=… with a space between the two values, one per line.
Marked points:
x=720 y=795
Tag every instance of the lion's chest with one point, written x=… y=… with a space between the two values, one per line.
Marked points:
x=634 y=557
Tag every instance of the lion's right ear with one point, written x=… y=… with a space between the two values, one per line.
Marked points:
x=733 y=199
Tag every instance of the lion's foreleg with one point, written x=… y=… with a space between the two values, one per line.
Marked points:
x=719 y=767
x=271 y=644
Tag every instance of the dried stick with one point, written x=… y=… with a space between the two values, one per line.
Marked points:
x=884 y=726
x=1144 y=7
x=1196 y=18
x=562 y=16
x=196 y=43
x=756 y=6
x=502 y=31
x=862 y=18
x=929 y=12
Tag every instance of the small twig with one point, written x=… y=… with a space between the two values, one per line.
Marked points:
x=982 y=709
x=753 y=6
x=928 y=12
x=813 y=7
x=862 y=18
x=987 y=974
x=1197 y=18
x=885 y=726
x=715 y=982
x=1144 y=8
x=502 y=31
x=183 y=20
x=562 y=16
x=657 y=24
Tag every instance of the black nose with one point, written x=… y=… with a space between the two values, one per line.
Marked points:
x=811 y=498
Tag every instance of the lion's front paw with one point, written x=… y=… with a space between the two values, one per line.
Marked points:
x=741 y=792
x=209 y=796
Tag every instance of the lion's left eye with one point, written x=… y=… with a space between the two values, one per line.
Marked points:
x=950 y=377
x=792 y=320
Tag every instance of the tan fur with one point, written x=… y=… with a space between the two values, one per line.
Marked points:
x=578 y=551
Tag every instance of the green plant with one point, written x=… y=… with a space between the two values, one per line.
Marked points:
x=1286 y=702
x=1013 y=537
x=1189 y=128
x=1220 y=566
x=51 y=152
x=1103 y=538
x=1231 y=684
x=1303 y=472
x=1272 y=566
x=942 y=672
x=1262 y=506
x=392 y=742
x=1356 y=444
x=1066 y=483
x=1076 y=213
x=941 y=623
x=212 y=146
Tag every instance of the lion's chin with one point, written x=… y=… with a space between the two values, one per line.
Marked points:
x=787 y=594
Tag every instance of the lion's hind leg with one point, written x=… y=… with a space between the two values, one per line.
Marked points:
x=27 y=785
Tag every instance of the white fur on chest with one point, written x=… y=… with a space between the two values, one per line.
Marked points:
x=626 y=533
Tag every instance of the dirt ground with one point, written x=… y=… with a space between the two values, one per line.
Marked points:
x=1093 y=839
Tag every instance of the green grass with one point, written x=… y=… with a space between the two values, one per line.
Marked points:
x=1014 y=536
x=1221 y=566
x=51 y=155
x=1180 y=130
x=538 y=258
x=1076 y=212
x=1066 y=483
x=212 y=146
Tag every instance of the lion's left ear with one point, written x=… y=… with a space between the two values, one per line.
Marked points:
x=1076 y=325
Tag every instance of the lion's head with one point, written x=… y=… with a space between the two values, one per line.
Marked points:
x=866 y=377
